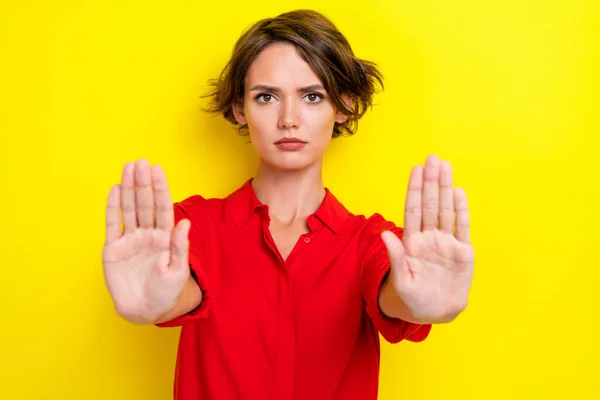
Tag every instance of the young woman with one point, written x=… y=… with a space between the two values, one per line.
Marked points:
x=280 y=291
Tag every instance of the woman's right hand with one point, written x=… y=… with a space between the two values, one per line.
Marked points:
x=146 y=259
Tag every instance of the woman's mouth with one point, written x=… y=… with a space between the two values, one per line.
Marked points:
x=290 y=144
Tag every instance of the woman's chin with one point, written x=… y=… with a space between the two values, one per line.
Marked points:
x=290 y=162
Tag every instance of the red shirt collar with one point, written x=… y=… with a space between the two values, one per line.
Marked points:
x=243 y=204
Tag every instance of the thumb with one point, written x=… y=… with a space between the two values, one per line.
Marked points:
x=180 y=245
x=395 y=249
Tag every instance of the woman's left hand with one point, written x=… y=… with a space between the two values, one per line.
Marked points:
x=432 y=266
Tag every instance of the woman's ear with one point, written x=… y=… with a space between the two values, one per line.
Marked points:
x=340 y=118
x=238 y=112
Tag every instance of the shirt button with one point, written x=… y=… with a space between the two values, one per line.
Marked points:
x=306 y=240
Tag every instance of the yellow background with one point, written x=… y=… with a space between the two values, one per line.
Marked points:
x=507 y=91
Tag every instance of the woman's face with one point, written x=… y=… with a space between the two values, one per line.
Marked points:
x=289 y=115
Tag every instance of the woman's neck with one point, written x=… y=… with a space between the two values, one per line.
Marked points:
x=290 y=195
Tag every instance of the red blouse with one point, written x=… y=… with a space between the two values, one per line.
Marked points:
x=302 y=328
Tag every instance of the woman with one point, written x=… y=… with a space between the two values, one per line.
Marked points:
x=280 y=291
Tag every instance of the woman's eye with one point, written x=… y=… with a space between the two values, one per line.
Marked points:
x=314 y=97
x=264 y=98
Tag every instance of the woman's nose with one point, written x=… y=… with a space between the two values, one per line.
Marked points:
x=289 y=115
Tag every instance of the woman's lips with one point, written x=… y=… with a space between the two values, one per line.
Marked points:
x=290 y=144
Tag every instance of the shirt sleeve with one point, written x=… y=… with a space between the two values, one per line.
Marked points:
x=376 y=266
x=199 y=264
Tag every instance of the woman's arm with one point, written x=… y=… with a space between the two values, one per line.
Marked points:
x=189 y=299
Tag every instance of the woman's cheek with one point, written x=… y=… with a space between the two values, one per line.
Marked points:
x=263 y=116
x=322 y=121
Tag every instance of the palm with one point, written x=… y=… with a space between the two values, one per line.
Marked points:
x=133 y=264
x=147 y=245
x=432 y=266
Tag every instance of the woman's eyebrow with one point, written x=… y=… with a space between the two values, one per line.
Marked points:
x=275 y=89
x=265 y=88
x=311 y=88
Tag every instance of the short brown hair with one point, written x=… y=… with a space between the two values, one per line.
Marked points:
x=321 y=45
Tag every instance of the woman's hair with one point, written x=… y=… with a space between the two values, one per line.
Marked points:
x=321 y=45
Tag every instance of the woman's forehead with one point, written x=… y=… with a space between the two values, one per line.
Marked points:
x=280 y=65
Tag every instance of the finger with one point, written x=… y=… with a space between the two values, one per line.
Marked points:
x=144 y=198
x=394 y=247
x=462 y=216
x=128 y=198
x=412 y=209
x=113 y=219
x=446 y=213
x=180 y=245
x=431 y=192
x=162 y=199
